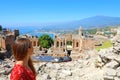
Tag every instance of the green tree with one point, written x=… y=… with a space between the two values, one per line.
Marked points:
x=92 y=31
x=0 y=28
x=45 y=41
x=69 y=42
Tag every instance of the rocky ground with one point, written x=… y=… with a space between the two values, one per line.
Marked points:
x=5 y=68
x=103 y=65
x=81 y=69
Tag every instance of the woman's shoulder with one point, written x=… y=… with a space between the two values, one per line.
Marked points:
x=20 y=73
x=18 y=68
x=17 y=72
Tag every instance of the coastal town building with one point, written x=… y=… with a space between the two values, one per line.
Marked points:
x=110 y=33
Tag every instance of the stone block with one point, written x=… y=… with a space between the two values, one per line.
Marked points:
x=113 y=64
x=116 y=78
x=108 y=78
x=110 y=72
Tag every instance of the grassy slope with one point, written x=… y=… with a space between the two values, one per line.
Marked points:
x=106 y=44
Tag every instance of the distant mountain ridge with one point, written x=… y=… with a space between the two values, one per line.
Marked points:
x=91 y=22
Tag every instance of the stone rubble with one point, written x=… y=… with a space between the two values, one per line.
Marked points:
x=111 y=59
x=5 y=69
x=81 y=69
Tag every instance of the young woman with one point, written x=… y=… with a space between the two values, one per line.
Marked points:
x=23 y=68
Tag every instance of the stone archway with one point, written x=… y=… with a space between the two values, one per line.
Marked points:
x=61 y=44
x=57 y=44
x=77 y=44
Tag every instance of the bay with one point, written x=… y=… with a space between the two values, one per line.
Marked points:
x=31 y=30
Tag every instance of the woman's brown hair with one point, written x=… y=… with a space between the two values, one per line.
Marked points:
x=20 y=49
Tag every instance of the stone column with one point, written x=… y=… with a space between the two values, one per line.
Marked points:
x=80 y=47
x=75 y=43
x=55 y=43
x=72 y=44
x=36 y=43
x=32 y=43
x=4 y=46
x=59 y=44
x=0 y=41
x=65 y=44
x=62 y=43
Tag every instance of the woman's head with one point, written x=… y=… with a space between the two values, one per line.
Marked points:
x=21 y=48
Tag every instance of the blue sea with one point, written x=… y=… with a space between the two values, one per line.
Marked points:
x=33 y=31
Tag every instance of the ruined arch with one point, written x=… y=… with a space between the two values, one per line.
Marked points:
x=57 y=44
x=77 y=44
x=61 y=44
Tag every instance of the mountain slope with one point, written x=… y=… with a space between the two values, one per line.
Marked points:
x=100 y=21
x=91 y=22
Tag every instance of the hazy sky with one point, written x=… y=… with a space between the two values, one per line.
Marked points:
x=35 y=12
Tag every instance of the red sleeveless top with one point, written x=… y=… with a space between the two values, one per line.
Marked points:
x=19 y=72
